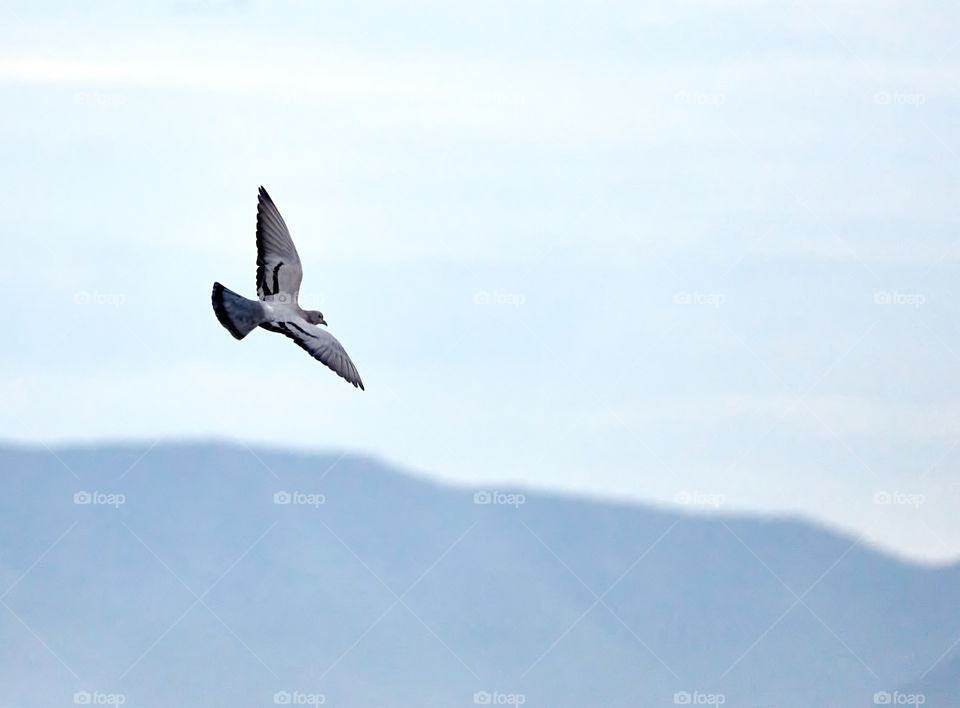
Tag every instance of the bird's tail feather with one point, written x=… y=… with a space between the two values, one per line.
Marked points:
x=235 y=312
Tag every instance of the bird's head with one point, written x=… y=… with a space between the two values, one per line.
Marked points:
x=315 y=317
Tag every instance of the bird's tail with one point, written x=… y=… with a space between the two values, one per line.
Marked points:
x=235 y=312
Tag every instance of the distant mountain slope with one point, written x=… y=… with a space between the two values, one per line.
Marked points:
x=199 y=590
x=940 y=687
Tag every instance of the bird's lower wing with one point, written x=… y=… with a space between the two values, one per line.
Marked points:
x=322 y=346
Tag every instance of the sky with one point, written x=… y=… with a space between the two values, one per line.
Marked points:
x=698 y=254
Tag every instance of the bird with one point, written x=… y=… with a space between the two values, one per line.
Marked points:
x=279 y=273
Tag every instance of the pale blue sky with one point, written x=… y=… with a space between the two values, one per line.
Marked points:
x=598 y=164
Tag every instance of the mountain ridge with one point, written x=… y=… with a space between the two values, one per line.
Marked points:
x=397 y=590
x=136 y=448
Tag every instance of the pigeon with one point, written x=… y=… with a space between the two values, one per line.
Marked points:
x=278 y=284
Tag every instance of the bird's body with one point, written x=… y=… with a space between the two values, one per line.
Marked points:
x=278 y=286
x=281 y=311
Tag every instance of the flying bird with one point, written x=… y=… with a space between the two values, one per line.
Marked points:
x=278 y=285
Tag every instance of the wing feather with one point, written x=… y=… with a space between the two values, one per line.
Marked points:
x=323 y=347
x=278 y=264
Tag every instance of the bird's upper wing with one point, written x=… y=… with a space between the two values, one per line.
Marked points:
x=278 y=266
x=322 y=346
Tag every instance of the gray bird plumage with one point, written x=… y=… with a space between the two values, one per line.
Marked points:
x=279 y=274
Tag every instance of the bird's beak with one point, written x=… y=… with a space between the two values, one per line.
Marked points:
x=323 y=322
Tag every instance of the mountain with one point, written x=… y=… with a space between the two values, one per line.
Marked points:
x=213 y=574
x=939 y=687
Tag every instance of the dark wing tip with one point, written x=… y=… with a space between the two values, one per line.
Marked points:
x=348 y=373
x=262 y=193
x=351 y=377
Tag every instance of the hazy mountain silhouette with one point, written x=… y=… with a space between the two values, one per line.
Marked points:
x=200 y=590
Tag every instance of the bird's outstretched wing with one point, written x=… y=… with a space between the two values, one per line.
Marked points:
x=322 y=346
x=278 y=266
